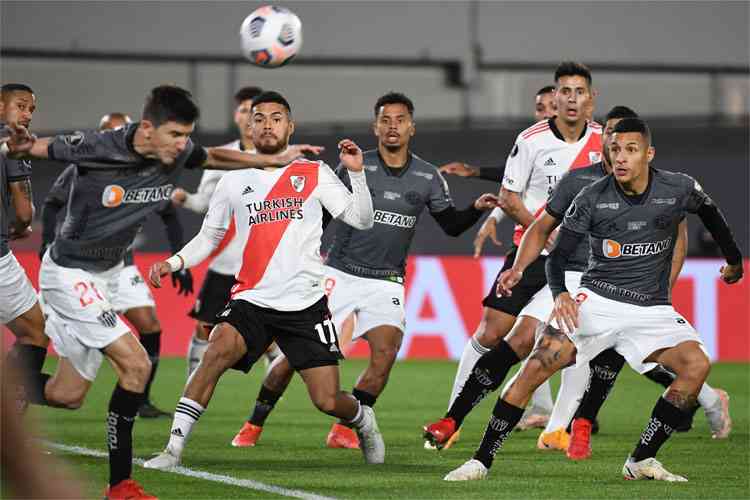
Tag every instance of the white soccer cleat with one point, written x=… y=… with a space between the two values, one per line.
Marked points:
x=163 y=461
x=473 y=470
x=649 y=468
x=718 y=416
x=370 y=439
x=429 y=446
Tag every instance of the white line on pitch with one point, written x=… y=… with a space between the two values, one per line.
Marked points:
x=208 y=476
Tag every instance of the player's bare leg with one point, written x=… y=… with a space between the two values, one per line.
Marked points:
x=144 y=320
x=225 y=348
x=325 y=392
x=278 y=377
x=691 y=366
x=487 y=375
x=552 y=352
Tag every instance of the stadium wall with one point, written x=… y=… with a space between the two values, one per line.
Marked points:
x=443 y=305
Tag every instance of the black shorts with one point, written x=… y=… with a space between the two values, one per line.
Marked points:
x=534 y=278
x=212 y=297
x=307 y=338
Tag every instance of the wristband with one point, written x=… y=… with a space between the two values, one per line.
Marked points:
x=176 y=263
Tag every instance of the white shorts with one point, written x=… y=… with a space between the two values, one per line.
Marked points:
x=374 y=302
x=541 y=304
x=132 y=291
x=634 y=331
x=81 y=319
x=16 y=293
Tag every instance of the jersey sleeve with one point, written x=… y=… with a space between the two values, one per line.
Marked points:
x=219 y=214
x=58 y=193
x=332 y=192
x=518 y=166
x=696 y=197
x=343 y=174
x=440 y=196
x=562 y=196
x=17 y=170
x=578 y=215
x=80 y=146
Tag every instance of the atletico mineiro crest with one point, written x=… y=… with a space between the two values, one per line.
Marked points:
x=298 y=182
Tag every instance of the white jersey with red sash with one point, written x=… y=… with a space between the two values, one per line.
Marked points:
x=278 y=214
x=539 y=159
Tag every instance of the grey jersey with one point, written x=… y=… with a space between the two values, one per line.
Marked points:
x=10 y=171
x=563 y=195
x=113 y=190
x=632 y=243
x=398 y=201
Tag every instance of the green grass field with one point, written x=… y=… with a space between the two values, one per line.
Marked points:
x=291 y=453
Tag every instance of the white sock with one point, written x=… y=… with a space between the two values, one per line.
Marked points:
x=541 y=400
x=707 y=397
x=195 y=353
x=473 y=350
x=358 y=420
x=186 y=414
x=573 y=383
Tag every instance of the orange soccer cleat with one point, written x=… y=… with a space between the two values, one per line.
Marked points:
x=342 y=436
x=555 y=440
x=247 y=436
x=580 y=440
x=127 y=489
x=439 y=434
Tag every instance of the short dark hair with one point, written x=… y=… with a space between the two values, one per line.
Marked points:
x=620 y=112
x=170 y=103
x=572 y=68
x=247 y=93
x=9 y=88
x=546 y=90
x=633 y=125
x=271 y=96
x=394 y=98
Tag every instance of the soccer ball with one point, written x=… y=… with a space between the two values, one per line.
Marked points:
x=271 y=36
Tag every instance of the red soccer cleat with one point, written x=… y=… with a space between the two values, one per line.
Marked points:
x=580 y=440
x=440 y=432
x=342 y=436
x=248 y=436
x=127 y=489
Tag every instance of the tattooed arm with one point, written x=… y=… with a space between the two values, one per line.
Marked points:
x=23 y=205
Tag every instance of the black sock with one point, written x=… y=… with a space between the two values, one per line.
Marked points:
x=35 y=389
x=664 y=419
x=604 y=370
x=152 y=343
x=29 y=357
x=263 y=405
x=661 y=376
x=123 y=405
x=486 y=376
x=504 y=418
x=364 y=398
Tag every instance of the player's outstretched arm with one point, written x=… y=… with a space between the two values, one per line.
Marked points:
x=465 y=170
x=231 y=159
x=183 y=279
x=24 y=145
x=511 y=203
x=193 y=253
x=717 y=225
x=532 y=244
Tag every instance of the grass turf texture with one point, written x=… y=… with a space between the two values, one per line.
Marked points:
x=292 y=454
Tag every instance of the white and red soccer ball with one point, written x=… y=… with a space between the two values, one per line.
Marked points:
x=271 y=36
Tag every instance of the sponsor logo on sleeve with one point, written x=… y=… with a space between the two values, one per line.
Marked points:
x=514 y=152
x=74 y=139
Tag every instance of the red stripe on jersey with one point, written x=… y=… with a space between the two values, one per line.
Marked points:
x=519 y=229
x=231 y=231
x=264 y=238
x=585 y=158
x=535 y=131
x=536 y=126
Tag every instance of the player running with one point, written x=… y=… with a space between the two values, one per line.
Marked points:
x=632 y=218
x=541 y=155
x=215 y=291
x=278 y=213
x=129 y=174
x=133 y=298
x=365 y=268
